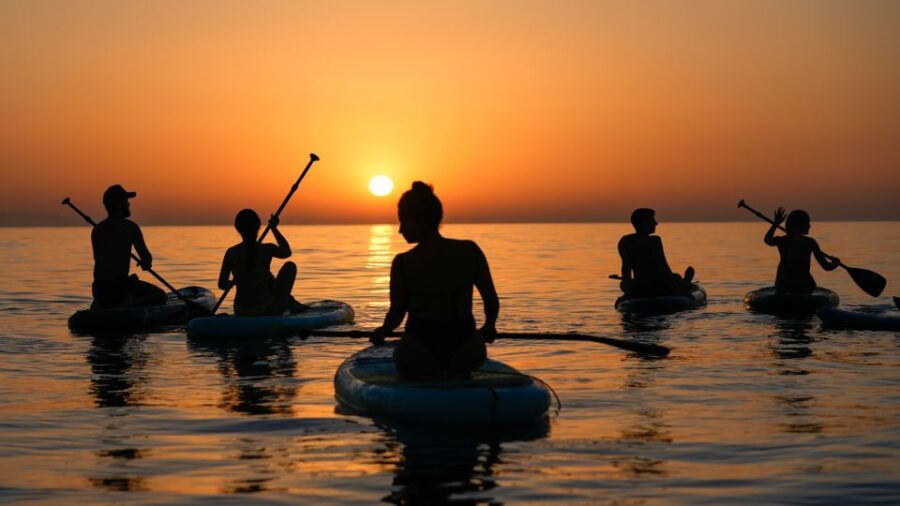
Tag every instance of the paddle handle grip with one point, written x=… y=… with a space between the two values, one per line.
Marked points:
x=312 y=158
x=67 y=202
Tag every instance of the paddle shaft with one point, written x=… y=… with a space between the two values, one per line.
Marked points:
x=770 y=220
x=312 y=158
x=93 y=223
x=653 y=349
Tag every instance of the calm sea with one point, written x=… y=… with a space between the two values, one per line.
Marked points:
x=750 y=409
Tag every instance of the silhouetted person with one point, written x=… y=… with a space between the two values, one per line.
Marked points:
x=645 y=271
x=433 y=284
x=795 y=248
x=248 y=262
x=112 y=240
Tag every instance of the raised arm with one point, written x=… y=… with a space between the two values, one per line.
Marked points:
x=485 y=285
x=776 y=220
x=828 y=263
x=399 y=303
x=283 y=249
x=141 y=248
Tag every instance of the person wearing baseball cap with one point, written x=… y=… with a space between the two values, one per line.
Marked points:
x=112 y=240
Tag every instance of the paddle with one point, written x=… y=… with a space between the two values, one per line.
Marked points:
x=870 y=282
x=650 y=349
x=312 y=158
x=897 y=302
x=188 y=302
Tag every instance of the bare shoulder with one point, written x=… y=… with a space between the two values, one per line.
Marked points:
x=230 y=252
x=627 y=239
x=461 y=245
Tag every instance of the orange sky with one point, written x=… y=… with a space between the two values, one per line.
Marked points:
x=515 y=110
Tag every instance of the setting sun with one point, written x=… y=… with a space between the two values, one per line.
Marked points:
x=381 y=186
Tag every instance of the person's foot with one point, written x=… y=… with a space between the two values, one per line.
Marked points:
x=297 y=307
x=689 y=275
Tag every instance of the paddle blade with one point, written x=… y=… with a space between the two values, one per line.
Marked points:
x=870 y=282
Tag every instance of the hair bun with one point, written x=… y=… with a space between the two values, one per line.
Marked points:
x=419 y=186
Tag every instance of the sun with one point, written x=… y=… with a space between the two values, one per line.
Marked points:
x=381 y=186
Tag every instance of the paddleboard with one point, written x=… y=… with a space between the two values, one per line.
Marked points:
x=843 y=319
x=496 y=395
x=320 y=314
x=765 y=300
x=173 y=312
x=665 y=304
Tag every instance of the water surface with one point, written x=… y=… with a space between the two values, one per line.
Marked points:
x=747 y=408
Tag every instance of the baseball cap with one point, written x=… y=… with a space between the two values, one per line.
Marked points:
x=115 y=194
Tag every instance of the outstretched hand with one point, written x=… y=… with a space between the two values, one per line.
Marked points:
x=273 y=221
x=145 y=264
x=488 y=333
x=379 y=335
x=779 y=215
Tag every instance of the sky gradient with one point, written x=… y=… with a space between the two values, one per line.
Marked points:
x=515 y=111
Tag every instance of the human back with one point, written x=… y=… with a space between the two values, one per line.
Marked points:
x=439 y=277
x=250 y=264
x=643 y=253
x=112 y=240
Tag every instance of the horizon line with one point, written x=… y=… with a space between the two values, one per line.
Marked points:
x=461 y=222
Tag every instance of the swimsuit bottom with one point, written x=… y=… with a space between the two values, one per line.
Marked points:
x=442 y=338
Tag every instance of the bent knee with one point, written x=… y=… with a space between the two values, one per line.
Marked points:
x=288 y=268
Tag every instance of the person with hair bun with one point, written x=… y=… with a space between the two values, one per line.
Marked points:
x=431 y=285
x=795 y=249
x=259 y=293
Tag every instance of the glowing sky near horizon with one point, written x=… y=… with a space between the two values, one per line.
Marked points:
x=514 y=110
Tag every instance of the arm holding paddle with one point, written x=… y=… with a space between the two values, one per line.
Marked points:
x=146 y=259
x=485 y=285
x=625 y=277
x=829 y=263
x=225 y=282
x=283 y=249
x=399 y=304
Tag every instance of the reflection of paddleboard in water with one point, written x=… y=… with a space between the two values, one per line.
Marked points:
x=434 y=465
x=496 y=394
x=173 y=312
x=844 y=319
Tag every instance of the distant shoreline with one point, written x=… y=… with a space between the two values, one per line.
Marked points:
x=499 y=222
